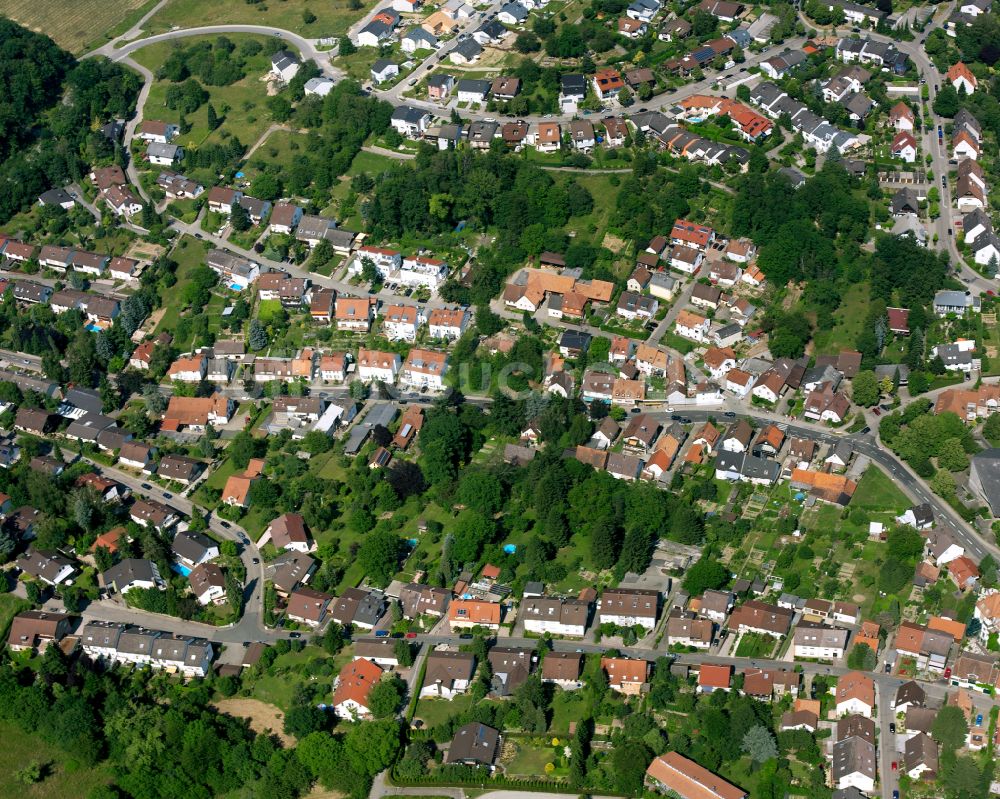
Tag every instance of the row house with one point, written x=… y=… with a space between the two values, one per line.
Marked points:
x=114 y=642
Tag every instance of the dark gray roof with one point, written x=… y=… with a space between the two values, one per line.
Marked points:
x=470 y=48
x=89 y=426
x=409 y=114
x=474 y=743
x=381 y=64
x=853 y=755
x=573 y=84
x=473 y=85
x=129 y=571
x=192 y=546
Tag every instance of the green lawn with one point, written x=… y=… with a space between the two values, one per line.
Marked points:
x=290 y=670
x=877 y=492
x=595 y=224
x=241 y=105
x=10 y=606
x=188 y=253
x=65 y=778
x=850 y=318
x=279 y=149
x=332 y=16
x=530 y=759
x=567 y=706
x=755 y=645
x=437 y=711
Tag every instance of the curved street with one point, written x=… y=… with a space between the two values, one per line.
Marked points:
x=251 y=625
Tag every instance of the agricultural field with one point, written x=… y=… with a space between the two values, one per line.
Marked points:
x=80 y=26
x=329 y=17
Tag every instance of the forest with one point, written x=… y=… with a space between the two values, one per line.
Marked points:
x=814 y=236
x=50 y=108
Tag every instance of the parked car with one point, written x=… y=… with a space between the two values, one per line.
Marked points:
x=892 y=726
x=411 y=635
x=381 y=633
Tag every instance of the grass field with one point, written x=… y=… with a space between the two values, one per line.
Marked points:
x=188 y=254
x=241 y=105
x=530 y=759
x=63 y=780
x=78 y=26
x=755 y=645
x=594 y=225
x=878 y=492
x=850 y=317
x=332 y=16
x=437 y=711
x=10 y=606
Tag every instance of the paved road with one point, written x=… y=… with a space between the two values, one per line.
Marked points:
x=341 y=286
x=868 y=445
x=133 y=124
x=251 y=625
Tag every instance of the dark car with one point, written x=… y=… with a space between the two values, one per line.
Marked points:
x=892 y=726
x=466 y=636
x=888 y=668
x=729 y=415
x=246 y=644
x=685 y=420
x=227 y=525
x=675 y=417
x=865 y=430
x=295 y=635
x=255 y=561
x=147 y=486
x=167 y=496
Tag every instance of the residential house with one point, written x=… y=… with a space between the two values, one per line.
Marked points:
x=855 y=693
x=628 y=607
x=713 y=678
x=447 y=674
x=626 y=675
x=563 y=669
x=208 y=584
x=475 y=745
x=468 y=613
x=352 y=688
x=52 y=568
x=132 y=573
x=675 y=774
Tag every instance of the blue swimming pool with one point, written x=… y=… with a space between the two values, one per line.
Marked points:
x=181 y=569
x=93 y=328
